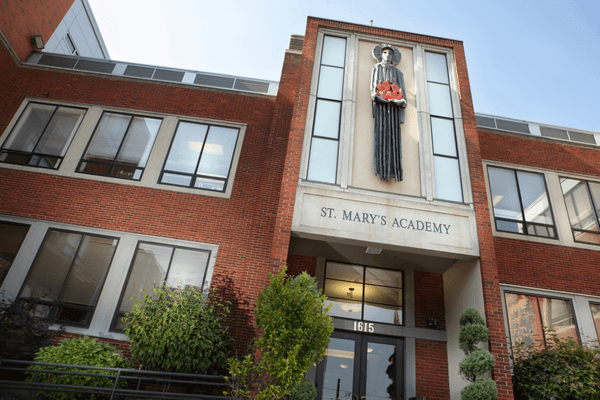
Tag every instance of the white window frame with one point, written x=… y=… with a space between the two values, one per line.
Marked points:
x=117 y=273
x=158 y=155
x=581 y=308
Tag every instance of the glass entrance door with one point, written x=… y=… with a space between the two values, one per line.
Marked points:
x=361 y=367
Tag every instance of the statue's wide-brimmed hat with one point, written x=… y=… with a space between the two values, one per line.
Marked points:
x=379 y=48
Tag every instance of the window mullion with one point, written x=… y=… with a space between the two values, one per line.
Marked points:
x=33 y=152
x=193 y=180
x=589 y=192
x=170 y=263
x=114 y=161
x=525 y=231
x=62 y=289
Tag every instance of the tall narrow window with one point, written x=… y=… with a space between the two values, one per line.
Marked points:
x=324 y=146
x=595 y=309
x=527 y=315
x=120 y=146
x=448 y=185
x=42 y=135
x=583 y=205
x=155 y=264
x=364 y=293
x=11 y=238
x=520 y=201
x=68 y=274
x=200 y=156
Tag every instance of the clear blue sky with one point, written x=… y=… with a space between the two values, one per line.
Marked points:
x=527 y=59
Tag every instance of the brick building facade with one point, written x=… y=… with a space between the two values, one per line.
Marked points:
x=115 y=176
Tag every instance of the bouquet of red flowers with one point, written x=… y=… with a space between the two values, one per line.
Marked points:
x=387 y=91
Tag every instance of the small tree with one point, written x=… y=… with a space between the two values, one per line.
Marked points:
x=294 y=330
x=23 y=334
x=478 y=361
x=561 y=369
x=179 y=330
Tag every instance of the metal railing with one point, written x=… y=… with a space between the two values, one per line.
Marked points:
x=29 y=380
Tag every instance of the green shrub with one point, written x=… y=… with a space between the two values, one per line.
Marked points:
x=294 y=330
x=479 y=390
x=561 y=369
x=478 y=361
x=179 y=330
x=304 y=390
x=78 y=351
x=22 y=334
x=477 y=364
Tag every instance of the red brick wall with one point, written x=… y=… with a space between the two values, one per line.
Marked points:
x=21 y=19
x=432 y=370
x=298 y=264
x=242 y=226
x=540 y=265
x=429 y=299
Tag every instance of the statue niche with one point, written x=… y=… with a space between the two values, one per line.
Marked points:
x=387 y=93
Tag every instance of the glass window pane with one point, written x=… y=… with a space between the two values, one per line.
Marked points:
x=344 y=272
x=60 y=131
x=384 y=295
x=508 y=226
x=586 y=237
x=534 y=197
x=437 y=69
x=384 y=277
x=505 y=198
x=175 y=179
x=218 y=152
x=578 y=204
x=188 y=268
x=327 y=119
x=331 y=80
x=210 y=184
x=381 y=372
x=108 y=137
x=139 y=141
x=84 y=283
x=595 y=191
x=149 y=269
x=186 y=148
x=439 y=100
x=338 y=379
x=51 y=266
x=442 y=131
x=386 y=314
x=322 y=165
x=524 y=319
x=540 y=230
x=558 y=315
x=11 y=238
x=345 y=308
x=595 y=308
x=334 y=51
x=30 y=127
x=343 y=289
x=447 y=179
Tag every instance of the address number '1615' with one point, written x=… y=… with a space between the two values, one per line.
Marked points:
x=364 y=326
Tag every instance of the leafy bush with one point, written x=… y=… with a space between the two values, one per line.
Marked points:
x=78 y=351
x=561 y=369
x=481 y=389
x=294 y=330
x=179 y=330
x=478 y=361
x=22 y=334
x=304 y=390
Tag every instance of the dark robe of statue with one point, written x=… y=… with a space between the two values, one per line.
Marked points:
x=388 y=114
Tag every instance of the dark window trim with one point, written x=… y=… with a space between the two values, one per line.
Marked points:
x=28 y=226
x=537 y=297
x=33 y=153
x=114 y=164
x=56 y=304
x=119 y=314
x=341 y=102
x=523 y=222
x=194 y=176
x=363 y=283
